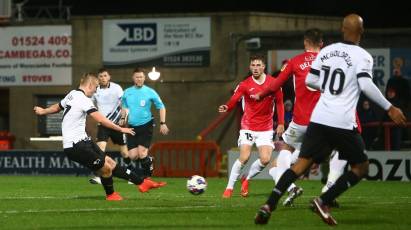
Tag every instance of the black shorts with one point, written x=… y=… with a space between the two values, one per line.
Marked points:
x=86 y=153
x=143 y=136
x=104 y=133
x=320 y=140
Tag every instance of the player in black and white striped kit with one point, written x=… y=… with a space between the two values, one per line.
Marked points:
x=108 y=101
x=341 y=71
x=79 y=147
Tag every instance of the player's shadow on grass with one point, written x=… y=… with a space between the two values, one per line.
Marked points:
x=89 y=198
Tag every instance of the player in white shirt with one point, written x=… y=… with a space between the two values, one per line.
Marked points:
x=341 y=71
x=108 y=101
x=79 y=147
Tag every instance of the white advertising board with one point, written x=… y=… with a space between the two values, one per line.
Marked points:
x=393 y=165
x=35 y=55
x=171 y=42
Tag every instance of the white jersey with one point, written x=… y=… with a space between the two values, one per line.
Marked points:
x=108 y=101
x=339 y=66
x=76 y=106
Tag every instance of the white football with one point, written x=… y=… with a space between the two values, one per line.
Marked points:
x=196 y=185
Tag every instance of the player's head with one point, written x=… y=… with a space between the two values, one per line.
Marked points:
x=89 y=83
x=313 y=39
x=139 y=77
x=257 y=65
x=352 y=28
x=103 y=77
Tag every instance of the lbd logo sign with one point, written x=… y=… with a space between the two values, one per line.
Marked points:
x=139 y=34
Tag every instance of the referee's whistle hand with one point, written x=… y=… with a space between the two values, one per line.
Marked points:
x=128 y=130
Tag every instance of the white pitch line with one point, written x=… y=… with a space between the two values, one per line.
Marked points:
x=103 y=209
x=147 y=208
x=38 y=198
x=158 y=195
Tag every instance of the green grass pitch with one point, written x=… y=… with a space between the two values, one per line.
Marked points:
x=69 y=202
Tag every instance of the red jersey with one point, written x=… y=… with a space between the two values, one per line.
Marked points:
x=258 y=115
x=305 y=98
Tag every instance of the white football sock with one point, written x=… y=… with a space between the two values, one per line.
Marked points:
x=235 y=172
x=273 y=172
x=337 y=167
x=283 y=163
x=255 y=169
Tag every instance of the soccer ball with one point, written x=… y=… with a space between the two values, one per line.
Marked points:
x=196 y=185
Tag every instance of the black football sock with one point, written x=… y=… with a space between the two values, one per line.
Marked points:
x=127 y=161
x=147 y=166
x=137 y=164
x=122 y=172
x=285 y=181
x=107 y=183
x=346 y=181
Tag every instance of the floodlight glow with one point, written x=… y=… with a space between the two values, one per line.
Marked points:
x=154 y=75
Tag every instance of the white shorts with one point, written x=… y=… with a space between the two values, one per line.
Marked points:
x=294 y=135
x=248 y=137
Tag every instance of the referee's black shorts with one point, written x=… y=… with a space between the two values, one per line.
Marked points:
x=86 y=153
x=104 y=133
x=143 y=136
x=320 y=140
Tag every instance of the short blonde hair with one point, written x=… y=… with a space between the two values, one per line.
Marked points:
x=88 y=77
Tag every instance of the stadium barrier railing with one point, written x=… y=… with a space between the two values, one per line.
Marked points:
x=186 y=158
x=387 y=130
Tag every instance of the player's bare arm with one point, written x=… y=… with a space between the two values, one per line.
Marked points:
x=124 y=118
x=109 y=124
x=280 y=130
x=372 y=92
x=396 y=115
x=163 y=126
x=55 y=108
x=222 y=108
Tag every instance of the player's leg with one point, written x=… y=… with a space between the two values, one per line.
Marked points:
x=313 y=148
x=273 y=169
x=107 y=180
x=322 y=204
x=264 y=143
x=337 y=167
x=285 y=181
x=88 y=154
x=351 y=147
x=256 y=167
x=265 y=147
x=245 y=143
x=145 y=135
x=124 y=154
x=147 y=183
x=245 y=151
x=287 y=156
x=120 y=139
x=293 y=190
x=120 y=171
x=102 y=138
x=138 y=146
